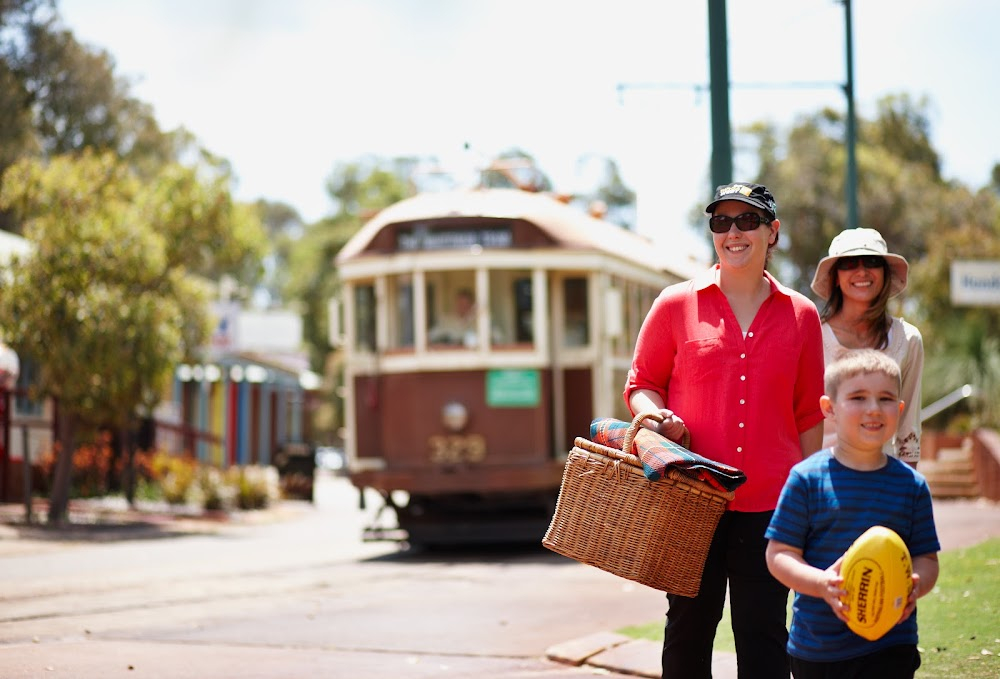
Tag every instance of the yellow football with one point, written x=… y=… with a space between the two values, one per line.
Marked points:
x=877 y=573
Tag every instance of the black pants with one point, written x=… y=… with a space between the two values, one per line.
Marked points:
x=758 y=607
x=895 y=662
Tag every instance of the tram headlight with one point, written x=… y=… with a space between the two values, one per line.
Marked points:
x=454 y=416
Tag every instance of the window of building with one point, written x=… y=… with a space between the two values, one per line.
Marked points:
x=27 y=378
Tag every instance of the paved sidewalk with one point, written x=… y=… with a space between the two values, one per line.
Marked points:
x=111 y=519
x=960 y=523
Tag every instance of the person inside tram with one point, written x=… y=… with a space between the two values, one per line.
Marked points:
x=458 y=326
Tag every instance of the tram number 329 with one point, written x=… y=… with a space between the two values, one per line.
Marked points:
x=456 y=449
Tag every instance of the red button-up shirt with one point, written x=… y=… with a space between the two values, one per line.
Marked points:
x=745 y=400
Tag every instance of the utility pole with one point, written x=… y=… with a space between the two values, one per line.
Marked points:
x=722 y=145
x=718 y=62
x=851 y=181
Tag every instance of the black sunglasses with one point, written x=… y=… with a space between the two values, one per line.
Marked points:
x=748 y=221
x=853 y=262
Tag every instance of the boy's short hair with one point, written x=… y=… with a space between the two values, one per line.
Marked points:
x=859 y=362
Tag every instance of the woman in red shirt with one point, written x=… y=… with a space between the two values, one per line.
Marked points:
x=736 y=358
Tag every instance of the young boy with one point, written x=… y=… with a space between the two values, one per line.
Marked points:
x=830 y=499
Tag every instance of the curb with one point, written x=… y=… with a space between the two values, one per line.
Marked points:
x=624 y=655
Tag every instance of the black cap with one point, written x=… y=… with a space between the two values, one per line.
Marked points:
x=751 y=194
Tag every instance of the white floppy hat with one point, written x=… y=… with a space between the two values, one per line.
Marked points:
x=852 y=242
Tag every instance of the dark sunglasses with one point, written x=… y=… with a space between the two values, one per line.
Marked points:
x=867 y=261
x=748 y=221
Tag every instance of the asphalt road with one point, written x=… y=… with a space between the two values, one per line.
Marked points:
x=293 y=593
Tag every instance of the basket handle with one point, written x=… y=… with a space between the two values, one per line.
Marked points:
x=633 y=429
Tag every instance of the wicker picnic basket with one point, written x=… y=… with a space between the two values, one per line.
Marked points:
x=609 y=515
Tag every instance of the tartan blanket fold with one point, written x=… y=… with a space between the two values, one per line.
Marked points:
x=657 y=453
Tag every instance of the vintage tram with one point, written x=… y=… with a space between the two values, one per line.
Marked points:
x=472 y=416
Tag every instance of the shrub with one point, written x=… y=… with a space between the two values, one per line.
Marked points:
x=175 y=475
x=256 y=486
x=94 y=466
x=215 y=493
x=176 y=479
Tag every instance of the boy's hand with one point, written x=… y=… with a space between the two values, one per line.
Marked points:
x=833 y=592
x=911 y=601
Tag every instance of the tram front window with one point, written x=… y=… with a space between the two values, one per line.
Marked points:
x=452 y=314
x=511 y=302
x=458 y=325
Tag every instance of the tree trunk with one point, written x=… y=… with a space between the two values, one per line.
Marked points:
x=116 y=442
x=128 y=438
x=59 y=498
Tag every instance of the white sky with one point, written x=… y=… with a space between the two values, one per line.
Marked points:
x=286 y=89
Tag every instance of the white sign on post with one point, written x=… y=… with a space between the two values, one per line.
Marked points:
x=975 y=283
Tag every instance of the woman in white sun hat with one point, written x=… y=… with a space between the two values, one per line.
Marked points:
x=857 y=280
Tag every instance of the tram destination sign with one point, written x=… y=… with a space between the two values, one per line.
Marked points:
x=975 y=283
x=425 y=238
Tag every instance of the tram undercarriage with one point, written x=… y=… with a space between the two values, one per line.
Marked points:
x=464 y=518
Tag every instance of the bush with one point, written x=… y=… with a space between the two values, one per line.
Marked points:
x=95 y=469
x=215 y=493
x=176 y=479
x=176 y=476
x=256 y=486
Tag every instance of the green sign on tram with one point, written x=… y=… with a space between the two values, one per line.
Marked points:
x=513 y=388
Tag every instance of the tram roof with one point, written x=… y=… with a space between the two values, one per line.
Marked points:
x=568 y=226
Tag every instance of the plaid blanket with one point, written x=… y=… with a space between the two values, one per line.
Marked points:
x=657 y=452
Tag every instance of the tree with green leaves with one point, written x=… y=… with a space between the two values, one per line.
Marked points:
x=515 y=169
x=283 y=226
x=924 y=217
x=110 y=300
x=608 y=190
x=59 y=96
x=359 y=190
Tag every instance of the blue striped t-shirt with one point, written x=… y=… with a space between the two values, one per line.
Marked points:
x=822 y=510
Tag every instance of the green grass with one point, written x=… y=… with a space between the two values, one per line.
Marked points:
x=959 y=621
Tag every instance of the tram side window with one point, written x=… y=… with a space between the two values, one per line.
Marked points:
x=576 y=323
x=401 y=303
x=364 y=317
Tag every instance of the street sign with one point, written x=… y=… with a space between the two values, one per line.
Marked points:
x=975 y=283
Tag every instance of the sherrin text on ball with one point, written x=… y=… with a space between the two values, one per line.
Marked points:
x=877 y=572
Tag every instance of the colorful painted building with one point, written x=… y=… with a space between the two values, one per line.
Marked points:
x=241 y=409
